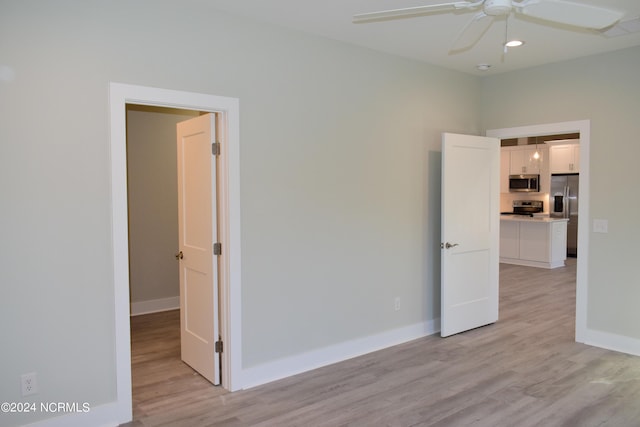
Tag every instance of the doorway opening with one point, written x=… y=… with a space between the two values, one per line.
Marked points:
x=583 y=128
x=152 y=206
x=230 y=290
x=154 y=277
x=554 y=160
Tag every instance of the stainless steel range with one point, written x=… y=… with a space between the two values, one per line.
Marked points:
x=526 y=207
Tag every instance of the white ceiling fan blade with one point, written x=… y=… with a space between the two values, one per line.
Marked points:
x=412 y=12
x=472 y=32
x=570 y=13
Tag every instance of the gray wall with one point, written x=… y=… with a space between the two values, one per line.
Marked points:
x=152 y=188
x=339 y=180
x=339 y=174
x=606 y=90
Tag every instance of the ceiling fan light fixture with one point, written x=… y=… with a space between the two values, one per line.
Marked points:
x=549 y=12
x=483 y=67
x=514 y=43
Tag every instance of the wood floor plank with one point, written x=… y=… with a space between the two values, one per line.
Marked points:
x=525 y=371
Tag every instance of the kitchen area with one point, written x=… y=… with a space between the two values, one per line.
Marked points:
x=539 y=200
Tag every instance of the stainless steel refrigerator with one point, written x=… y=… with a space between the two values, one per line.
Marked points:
x=564 y=204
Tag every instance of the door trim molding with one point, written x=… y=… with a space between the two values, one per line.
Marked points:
x=230 y=283
x=584 y=128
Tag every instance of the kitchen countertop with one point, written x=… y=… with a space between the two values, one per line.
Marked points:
x=535 y=217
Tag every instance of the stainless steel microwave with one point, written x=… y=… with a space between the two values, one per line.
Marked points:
x=524 y=183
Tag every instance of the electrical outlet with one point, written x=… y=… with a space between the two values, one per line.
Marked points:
x=397 y=304
x=29 y=384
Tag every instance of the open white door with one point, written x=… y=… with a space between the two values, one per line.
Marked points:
x=470 y=232
x=197 y=221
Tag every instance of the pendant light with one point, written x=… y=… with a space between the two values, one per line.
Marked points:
x=536 y=155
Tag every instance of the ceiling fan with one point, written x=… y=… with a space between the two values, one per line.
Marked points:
x=569 y=13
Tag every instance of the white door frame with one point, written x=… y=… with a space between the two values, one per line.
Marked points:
x=230 y=310
x=584 y=128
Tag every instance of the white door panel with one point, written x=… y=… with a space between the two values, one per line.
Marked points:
x=470 y=222
x=197 y=234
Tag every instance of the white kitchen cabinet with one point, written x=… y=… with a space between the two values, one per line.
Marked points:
x=509 y=239
x=558 y=241
x=565 y=158
x=505 y=164
x=522 y=161
x=534 y=242
x=545 y=175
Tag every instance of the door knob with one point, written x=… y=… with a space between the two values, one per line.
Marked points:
x=448 y=245
x=179 y=255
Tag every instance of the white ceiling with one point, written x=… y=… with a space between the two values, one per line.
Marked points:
x=428 y=38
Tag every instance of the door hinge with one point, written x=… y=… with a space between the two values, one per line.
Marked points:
x=215 y=148
x=218 y=346
x=217 y=248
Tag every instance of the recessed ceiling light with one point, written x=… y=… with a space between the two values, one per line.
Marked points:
x=483 y=67
x=514 y=43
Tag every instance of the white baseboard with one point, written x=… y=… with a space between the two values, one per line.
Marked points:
x=612 y=342
x=155 y=305
x=293 y=365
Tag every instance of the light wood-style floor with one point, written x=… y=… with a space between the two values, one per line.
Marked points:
x=525 y=370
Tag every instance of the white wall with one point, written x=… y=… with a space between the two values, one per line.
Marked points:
x=340 y=166
x=153 y=205
x=606 y=90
